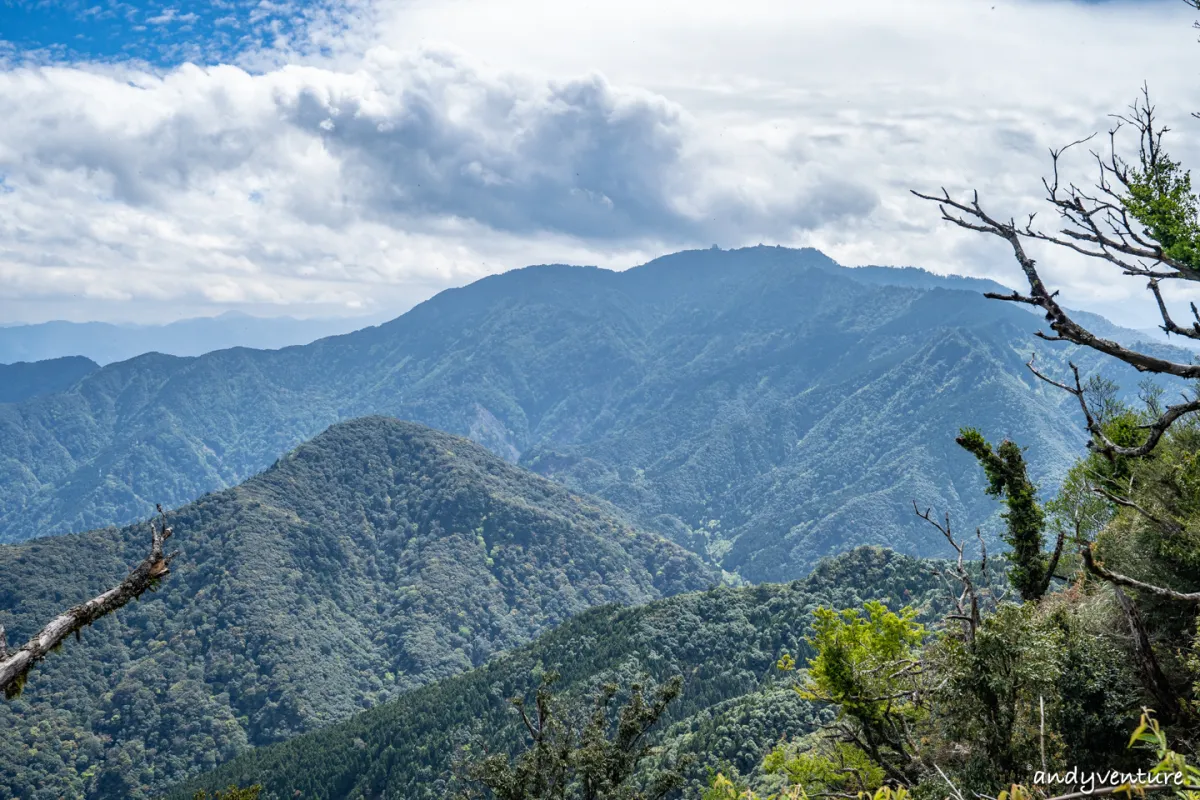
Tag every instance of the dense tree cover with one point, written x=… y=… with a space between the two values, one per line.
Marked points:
x=597 y=756
x=724 y=643
x=230 y=793
x=26 y=379
x=761 y=406
x=379 y=557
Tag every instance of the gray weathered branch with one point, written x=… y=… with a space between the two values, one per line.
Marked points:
x=1099 y=226
x=1062 y=325
x=15 y=665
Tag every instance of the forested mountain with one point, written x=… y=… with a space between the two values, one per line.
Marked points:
x=724 y=643
x=27 y=379
x=762 y=406
x=376 y=558
x=105 y=343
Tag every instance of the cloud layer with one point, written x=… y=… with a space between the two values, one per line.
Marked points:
x=379 y=152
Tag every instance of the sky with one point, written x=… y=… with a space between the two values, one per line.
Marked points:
x=354 y=157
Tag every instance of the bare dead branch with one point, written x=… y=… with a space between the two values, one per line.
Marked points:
x=1152 y=675
x=1100 y=441
x=968 y=614
x=1169 y=325
x=1133 y=583
x=1098 y=224
x=15 y=666
x=1052 y=567
x=1066 y=328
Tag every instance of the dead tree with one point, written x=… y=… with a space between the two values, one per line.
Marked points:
x=15 y=664
x=1111 y=223
x=1099 y=224
x=969 y=600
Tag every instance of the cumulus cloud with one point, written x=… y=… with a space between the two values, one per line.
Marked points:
x=235 y=172
x=375 y=152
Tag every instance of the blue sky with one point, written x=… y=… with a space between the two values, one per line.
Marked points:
x=355 y=156
x=158 y=33
x=168 y=33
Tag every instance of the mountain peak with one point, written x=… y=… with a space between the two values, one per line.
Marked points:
x=378 y=557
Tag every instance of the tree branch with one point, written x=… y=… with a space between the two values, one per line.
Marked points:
x=1152 y=675
x=1133 y=583
x=15 y=666
x=1170 y=526
x=1066 y=328
x=1100 y=441
x=969 y=614
x=1106 y=224
x=1052 y=567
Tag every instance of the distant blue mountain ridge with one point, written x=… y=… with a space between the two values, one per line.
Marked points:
x=106 y=343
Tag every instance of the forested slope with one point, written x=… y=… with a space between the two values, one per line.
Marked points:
x=379 y=557
x=724 y=642
x=26 y=379
x=762 y=406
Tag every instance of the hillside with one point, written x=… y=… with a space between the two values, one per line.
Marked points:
x=724 y=642
x=763 y=406
x=376 y=558
x=26 y=379
x=106 y=343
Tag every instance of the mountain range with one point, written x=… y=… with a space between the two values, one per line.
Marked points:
x=379 y=557
x=105 y=342
x=762 y=407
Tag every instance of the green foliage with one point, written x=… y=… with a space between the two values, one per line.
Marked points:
x=991 y=692
x=689 y=392
x=724 y=642
x=1007 y=477
x=857 y=660
x=1037 y=684
x=1164 y=547
x=230 y=793
x=1173 y=770
x=868 y=667
x=351 y=572
x=1178 y=771
x=598 y=760
x=1160 y=197
x=823 y=765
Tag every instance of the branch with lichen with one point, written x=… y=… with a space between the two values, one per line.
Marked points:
x=15 y=665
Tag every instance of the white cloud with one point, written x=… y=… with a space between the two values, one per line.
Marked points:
x=401 y=147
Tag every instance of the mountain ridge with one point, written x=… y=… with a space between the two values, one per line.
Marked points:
x=376 y=558
x=28 y=379
x=675 y=389
x=107 y=343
